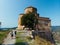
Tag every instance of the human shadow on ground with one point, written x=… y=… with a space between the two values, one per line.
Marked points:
x=21 y=43
x=0 y=44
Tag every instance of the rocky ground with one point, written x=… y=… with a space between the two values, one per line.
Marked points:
x=25 y=37
x=56 y=35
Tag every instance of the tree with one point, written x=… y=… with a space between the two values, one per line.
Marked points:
x=28 y=20
x=0 y=24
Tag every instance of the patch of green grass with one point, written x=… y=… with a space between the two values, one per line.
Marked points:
x=28 y=38
x=19 y=40
x=20 y=43
x=3 y=34
x=22 y=40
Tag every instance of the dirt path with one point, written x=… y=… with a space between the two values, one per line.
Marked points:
x=9 y=40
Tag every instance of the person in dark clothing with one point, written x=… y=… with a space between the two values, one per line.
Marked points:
x=15 y=32
x=11 y=34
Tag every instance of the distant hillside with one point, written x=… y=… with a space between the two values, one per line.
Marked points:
x=55 y=28
x=8 y=28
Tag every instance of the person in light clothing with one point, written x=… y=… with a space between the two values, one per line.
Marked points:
x=13 y=33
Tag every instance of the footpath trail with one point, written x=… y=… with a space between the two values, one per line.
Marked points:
x=9 y=40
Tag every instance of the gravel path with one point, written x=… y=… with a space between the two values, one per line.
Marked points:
x=9 y=40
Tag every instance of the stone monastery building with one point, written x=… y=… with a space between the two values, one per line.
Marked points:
x=44 y=23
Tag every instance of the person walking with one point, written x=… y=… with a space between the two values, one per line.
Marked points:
x=11 y=34
x=15 y=33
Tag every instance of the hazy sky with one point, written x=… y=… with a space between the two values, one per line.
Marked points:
x=10 y=10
